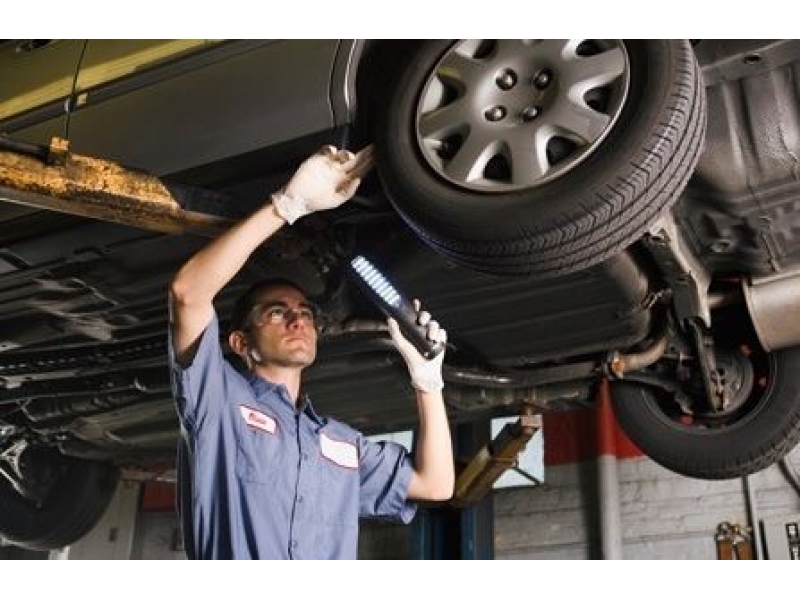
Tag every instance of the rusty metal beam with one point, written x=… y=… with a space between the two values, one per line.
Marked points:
x=100 y=189
x=494 y=459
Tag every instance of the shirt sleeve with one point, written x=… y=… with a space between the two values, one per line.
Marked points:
x=199 y=389
x=385 y=470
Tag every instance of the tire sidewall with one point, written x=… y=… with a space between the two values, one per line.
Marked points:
x=78 y=500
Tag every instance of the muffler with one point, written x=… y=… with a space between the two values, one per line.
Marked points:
x=774 y=306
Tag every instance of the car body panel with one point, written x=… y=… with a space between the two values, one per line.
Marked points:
x=261 y=104
x=38 y=78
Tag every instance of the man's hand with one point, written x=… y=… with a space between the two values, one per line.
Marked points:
x=326 y=180
x=426 y=375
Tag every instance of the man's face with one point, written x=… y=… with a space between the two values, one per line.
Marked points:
x=282 y=328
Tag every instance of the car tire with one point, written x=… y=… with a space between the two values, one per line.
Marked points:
x=76 y=502
x=558 y=217
x=762 y=432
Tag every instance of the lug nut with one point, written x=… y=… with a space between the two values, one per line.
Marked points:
x=495 y=113
x=543 y=79
x=529 y=113
x=506 y=79
x=445 y=150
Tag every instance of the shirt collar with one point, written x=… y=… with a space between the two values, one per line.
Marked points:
x=263 y=386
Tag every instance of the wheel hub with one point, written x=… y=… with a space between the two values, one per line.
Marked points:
x=735 y=374
x=505 y=115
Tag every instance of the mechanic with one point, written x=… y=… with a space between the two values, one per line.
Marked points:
x=260 y=473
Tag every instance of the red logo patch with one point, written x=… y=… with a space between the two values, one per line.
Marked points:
x=257 y=419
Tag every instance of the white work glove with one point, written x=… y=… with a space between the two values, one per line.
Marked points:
x=426 y=375
x=325 y=180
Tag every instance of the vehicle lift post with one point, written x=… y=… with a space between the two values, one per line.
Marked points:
x=464 y=528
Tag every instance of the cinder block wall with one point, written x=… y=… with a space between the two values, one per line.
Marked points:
x=664 y=515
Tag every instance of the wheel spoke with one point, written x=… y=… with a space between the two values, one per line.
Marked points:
x=554 y=50
x=470 y=160
x=511 y=49
x=583 y=73
x=528 y=158
x=444 y=121
x=577 y=121
x=460 y=72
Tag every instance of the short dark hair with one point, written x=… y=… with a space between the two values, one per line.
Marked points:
x=244 y=305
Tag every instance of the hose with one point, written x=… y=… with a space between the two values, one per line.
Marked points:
x=35 y=150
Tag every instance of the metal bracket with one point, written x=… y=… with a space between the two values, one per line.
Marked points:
x=32 y=475
x=687 y=277
x=734 y=542
x=716 y=392
x=6 y=429
x=11 y=468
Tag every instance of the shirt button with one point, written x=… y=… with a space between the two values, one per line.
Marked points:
x=299 y=499
x=305 y=455
x=294 y=544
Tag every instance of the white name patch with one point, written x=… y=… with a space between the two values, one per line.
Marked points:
x=343 y=454
x=257 y=420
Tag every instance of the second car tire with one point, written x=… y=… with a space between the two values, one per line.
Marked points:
x=77 y=501
x=765 y=431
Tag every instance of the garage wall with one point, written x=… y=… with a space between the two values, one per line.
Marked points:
x=112 y=537
x=664 y=515
x=158 y=537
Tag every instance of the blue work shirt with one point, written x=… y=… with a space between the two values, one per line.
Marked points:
x=258 y=478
